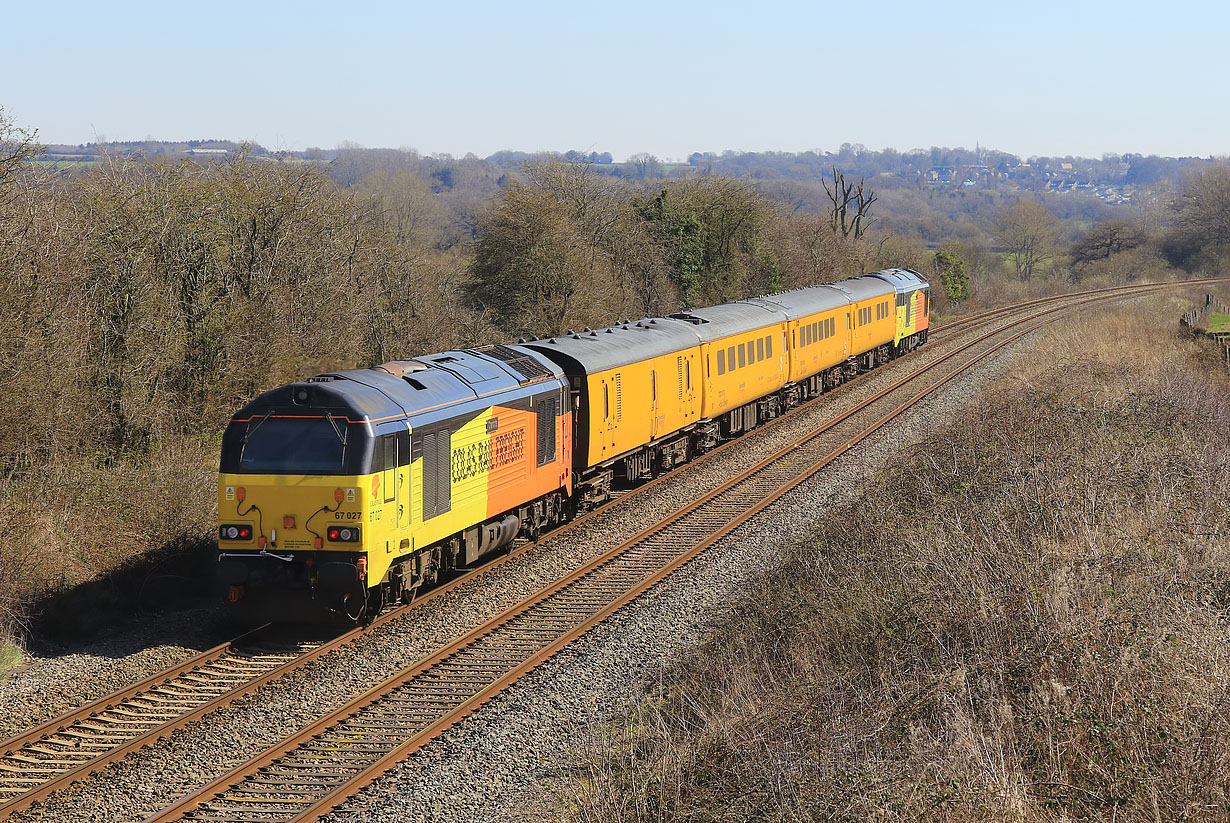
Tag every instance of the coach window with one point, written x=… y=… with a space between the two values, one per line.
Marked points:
x=742 y=360
x=730 y=359
x=721 y=361
x=768 y=345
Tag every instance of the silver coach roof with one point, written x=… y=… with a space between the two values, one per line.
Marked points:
x=809 y=300
x=595 y=350
x=716 y=322
x=865 y=287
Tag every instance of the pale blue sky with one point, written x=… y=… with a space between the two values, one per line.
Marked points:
x=669 y=78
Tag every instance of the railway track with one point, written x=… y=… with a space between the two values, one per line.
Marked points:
x=72 y=747
x=307 y=775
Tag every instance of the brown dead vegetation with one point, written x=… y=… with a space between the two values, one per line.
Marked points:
x=1024 y=620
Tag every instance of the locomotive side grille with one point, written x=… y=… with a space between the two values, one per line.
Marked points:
x=546 y=411
x=430 y=491
x=524 y=365
x=437 y=482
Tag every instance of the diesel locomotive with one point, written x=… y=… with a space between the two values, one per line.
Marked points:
x=349 y=490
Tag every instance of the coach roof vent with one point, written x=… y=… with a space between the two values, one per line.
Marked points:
x=688 y=318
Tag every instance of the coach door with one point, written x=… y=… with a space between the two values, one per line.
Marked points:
x=653 y=404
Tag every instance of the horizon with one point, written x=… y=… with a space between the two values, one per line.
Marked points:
x=684 y=160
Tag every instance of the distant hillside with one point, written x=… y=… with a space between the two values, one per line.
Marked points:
x=1113 y=179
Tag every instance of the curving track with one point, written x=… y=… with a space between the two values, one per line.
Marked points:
x=384 y=725
x=310 y=773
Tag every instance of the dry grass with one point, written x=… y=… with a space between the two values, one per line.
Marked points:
x=1027 y=621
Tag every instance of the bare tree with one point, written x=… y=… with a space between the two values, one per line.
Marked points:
x=1200 y=230
x=17 y=148
x=644 y=166
x=844 y=195
x=1029 y=231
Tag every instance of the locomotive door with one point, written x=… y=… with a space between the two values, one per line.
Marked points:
x=403 y=479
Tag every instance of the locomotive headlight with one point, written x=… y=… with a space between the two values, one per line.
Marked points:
x=234 y=531
x=343 y=534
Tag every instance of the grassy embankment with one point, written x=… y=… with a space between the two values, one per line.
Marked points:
x=1025 y=621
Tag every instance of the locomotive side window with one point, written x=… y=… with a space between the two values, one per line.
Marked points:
x=606 y=403
x=687 y=373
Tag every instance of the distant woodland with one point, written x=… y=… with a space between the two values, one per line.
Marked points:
x=145 y=294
